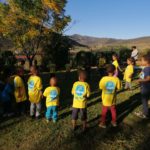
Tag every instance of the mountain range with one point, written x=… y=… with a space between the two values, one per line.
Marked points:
x=97 y=43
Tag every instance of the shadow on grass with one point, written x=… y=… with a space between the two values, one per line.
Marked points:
x=95 y=95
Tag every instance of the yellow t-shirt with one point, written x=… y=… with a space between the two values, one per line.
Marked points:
x=18 y=83
x=34 y=89
x=52 y=96
x=80 y=91
x=116 y=64
x=109 y=86
x=129 y=72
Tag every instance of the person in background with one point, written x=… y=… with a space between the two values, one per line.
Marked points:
x=20 y=92
x=52 y=100
x=134 y=53
x=116 y=64
x=80 y=91
x=35 y=93
x=109 y=86
x=7 y=98
x=129 y=73
x=145 y=86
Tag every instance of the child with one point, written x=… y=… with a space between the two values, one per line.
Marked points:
x=129 y=73
x=80 y=91
x=145 y=86
x=109 y=85
x=6 y=97
x=52 y=100
x=35 y=93
x=116 y=64
x=19 y=91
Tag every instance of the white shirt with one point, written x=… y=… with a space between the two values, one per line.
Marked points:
x=134 y=54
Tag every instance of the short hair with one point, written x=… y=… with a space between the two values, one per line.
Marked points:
x=146 y=58
x=115 y=55
x=111 y=68
x=18 y=69
x=131 y=59
x=133 y=47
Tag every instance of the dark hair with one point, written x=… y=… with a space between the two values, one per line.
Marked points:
x=52 y=75
x=111 y=68
x=115 y=55
x=131 y=59
x=133 y=47
x=146 y=58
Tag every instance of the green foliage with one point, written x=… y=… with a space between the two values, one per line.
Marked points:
x=56 y=51
x=7 y=59
x=28 y=22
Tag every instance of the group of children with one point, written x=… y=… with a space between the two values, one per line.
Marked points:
x=109 y=85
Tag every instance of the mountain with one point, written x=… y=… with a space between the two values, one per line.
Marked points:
x=97 y=43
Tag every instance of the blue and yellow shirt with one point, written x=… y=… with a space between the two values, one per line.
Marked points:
x=80 y=91
x=109 y=86
x=52 y=96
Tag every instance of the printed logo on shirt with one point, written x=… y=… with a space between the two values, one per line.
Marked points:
x=31 y=85
x=80 y=90
x=110 y=87
x=142 y=75
x=53 y=95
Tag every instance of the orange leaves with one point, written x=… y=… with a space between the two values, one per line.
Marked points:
x=53 y=5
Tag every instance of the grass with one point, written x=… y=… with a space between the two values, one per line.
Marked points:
x=132 y=133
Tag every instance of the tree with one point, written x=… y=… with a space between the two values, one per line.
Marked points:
x=28 y=22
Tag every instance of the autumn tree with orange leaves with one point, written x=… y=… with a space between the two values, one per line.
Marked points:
x=28 y=22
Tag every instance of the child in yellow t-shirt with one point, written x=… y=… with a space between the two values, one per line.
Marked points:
x=19 y=91
x=116 y=64
x=129 y=73
x=109 y=85
x=35 y=92
x=80 y=91
x=52 y=100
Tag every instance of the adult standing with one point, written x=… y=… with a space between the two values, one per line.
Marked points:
x=135 y=53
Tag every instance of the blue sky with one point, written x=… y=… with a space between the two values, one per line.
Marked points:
x=110 y=18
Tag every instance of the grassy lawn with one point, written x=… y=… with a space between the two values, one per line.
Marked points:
x=132 y=133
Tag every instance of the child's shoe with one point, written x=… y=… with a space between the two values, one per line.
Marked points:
x=47 y=121
x=102 y=125
x=54 y=121
x=114 y=124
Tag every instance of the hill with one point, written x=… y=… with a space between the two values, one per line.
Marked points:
x=96 y=43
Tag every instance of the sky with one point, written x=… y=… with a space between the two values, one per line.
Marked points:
x=122 y=19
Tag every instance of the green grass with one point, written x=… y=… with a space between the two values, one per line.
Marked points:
x=132 y=133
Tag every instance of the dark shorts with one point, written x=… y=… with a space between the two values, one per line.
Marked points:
x=83 y=113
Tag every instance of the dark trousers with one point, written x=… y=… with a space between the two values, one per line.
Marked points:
x=21 y=107
x=145 y=98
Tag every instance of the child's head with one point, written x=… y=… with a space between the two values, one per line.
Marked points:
x=133 y=47
x=33 y=70
x=53 y=81
x=111 y=69
x=114 y=57
x=130 y=61
x=145 y=61
x=20 y=71
x=82 y=75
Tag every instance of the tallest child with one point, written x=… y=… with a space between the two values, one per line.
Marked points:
x=35 y=92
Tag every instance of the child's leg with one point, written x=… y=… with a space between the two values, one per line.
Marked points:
x=55 y=113
x=74 y=117
x=48 y=114
x=84 y=117
x=32 y=107
x=104 y=113
x=38 y=109
x=113 y=113
x=145 y=98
